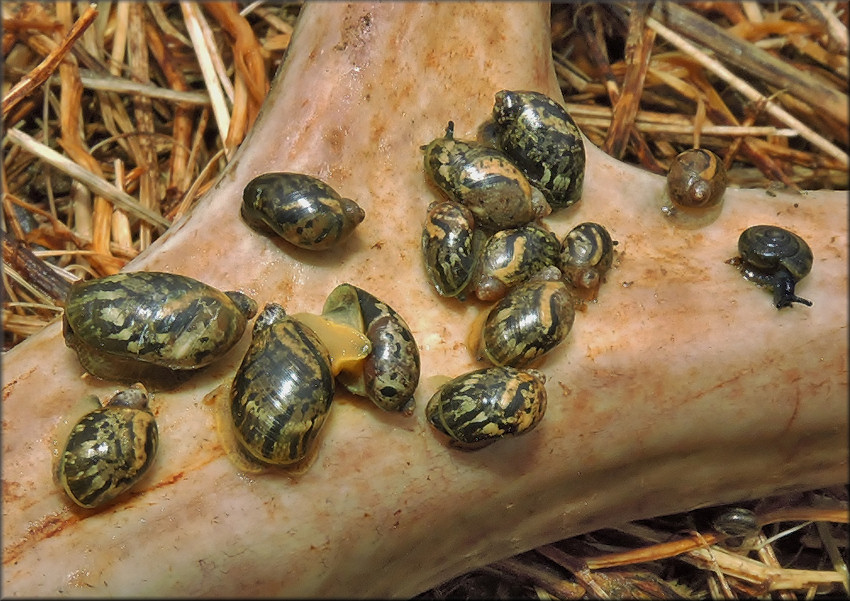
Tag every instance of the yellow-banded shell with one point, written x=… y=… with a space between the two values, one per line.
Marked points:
x=484 y=180
x=483 y=406
x=450 y=247
x=282 y=391
x=542 y=139
x=587 y=254
x=143 y=326
x=697 y=179
x=531 y=320
x=301 y=209
x=512 y=256
x=109 y=449
x=390 y=372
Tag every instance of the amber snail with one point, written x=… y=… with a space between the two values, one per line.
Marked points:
x=777 y=259
x=484 y=180
x=145 y=326
x=109 y=449
x=480 y=407
x=587 y=254
x=301 y=209
x=450 y=247
x=697 y=179
x=544 y=141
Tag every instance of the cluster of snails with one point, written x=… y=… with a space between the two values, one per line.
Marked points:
x=486 y=238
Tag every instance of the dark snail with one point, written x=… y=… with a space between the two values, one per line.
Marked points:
x=777 y=259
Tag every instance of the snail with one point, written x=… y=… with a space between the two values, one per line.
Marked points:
x=544 y=141
x=450 y=247
x=282 y=391
x=587 y=254
x=775 y=258
x=484 y=180
x=527 y=323
x=299 y=208
x=736 y=521
x=109 y=449
x=696 y=179
x=478 y=408
x=512 y=256
x=390 y=372
x=146 y=326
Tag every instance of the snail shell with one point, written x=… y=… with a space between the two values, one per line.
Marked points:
x=144 y=325
x=109 y=449
x=450 y=247
x=544 y=141
x=736 y=521
x=282 y=391
x=484 y=180
x=390 y=372
x=697 y=179
x=512 y=256
x=480 y=407
x=776 y=258
x=301 y=209
x=587 y=254
x=531 y=320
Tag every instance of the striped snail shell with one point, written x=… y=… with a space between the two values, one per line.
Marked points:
x=282 y=391
x=144 y=326
x=299 y=208
x=587 y=254
x=478 y=408
x=109 y=449
x=777 y=259
x=512 y=256
x=530 y=321
x=697 y=179
x=736 y=521
x=450 y=247
x=544 y=141
x=484 y=180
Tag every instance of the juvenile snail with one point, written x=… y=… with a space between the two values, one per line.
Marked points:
x=484 y=180
x=531 y=320
x=390 y=372
x=587 y=254
x=450 y=247
x=777 y=259
x=144 y=326
x=736 y=521
x=478 y=408
x=697 y=179
x=282 y=391
x=299 y=208
x=109 y=449
x=544 y=141
x=512 y=256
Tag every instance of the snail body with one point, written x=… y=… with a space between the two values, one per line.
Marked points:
x=697 y=179
x=109 y=449
x=450 y=247
x=544 y=141
x=478 y=408
x=530 y=321
x=390 y=372
x=512 y=256
x=282 y=391
x=587 y=254
x=301 y=209
x=777 y=259
x=484 y=180
x=147 y=325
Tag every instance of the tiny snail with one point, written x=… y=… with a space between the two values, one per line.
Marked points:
x=478 y=408
x=544 y=141
x=450 y=247
x=484 y=180
x=144 y=326
x=736 y=521
x=109 y=449
x=775 y=258
x=512 y=256
x=696 y=179
x=282 y=391
x=390 y=373
x=527 y=323
x=301 y=209
x=587 y=254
